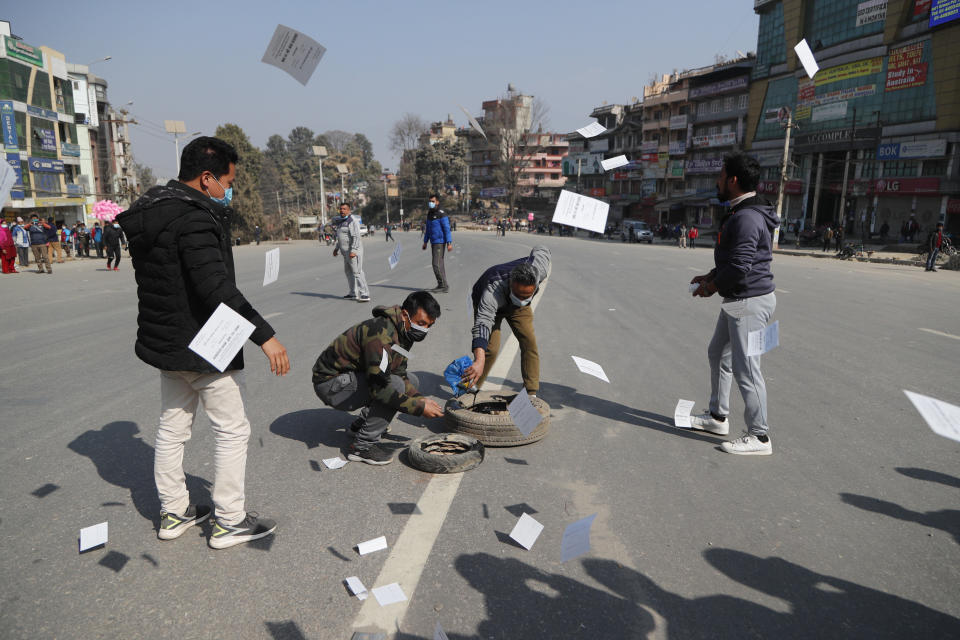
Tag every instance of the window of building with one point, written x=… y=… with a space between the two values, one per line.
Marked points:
x=743 y=101
x=703 y=108
x=771 y=45
x=729 y=102
x=41 y=91
x=935 y=167
x=831 y=22
x=64 y=92
x=901 y=168
x=14 y=80
x=716 y=105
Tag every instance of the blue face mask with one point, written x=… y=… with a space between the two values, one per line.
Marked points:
x=227 y=195
x=432 y=205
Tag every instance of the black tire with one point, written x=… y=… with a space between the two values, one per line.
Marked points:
x=493 y=430
x=426 y=453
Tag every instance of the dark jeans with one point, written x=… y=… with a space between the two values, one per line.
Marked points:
x=932 y=260
x=348 y=392
x=24 y=254
x=99 y=246
x=113 y=252
x=438 y=269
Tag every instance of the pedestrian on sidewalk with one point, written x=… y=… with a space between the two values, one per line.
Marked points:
x=8 y=250
x=366 y=368
x=884 y=231
x=96 y=236
x=743 y=278
x=388 y=235
x=53 y=240
x=83 y=240
x=838 y=237
x=827 y=238
x=66 y=240
x=934 y=244
x=505 y=292
x=112 y=239
x=350 y=246
x=39 y=244
x=256 y=234
x=21 y=238
x=692 y=236
x=180 y=246
x=437 y=233
x=682 y=236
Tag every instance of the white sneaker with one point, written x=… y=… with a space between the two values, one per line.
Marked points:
x=706 y=422
x=748 y=445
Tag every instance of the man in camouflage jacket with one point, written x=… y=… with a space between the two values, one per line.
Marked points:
x=366 y=368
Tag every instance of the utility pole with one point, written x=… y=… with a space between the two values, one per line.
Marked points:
x=386 y=208
x=816 y=190
x=321 y=153
x=846 y=170
x=579 y=160
x=783 y=175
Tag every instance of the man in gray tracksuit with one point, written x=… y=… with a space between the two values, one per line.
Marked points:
x=743 y=278
x=349 y=245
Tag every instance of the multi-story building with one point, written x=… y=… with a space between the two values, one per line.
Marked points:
x=45 y=115
x=879 y=123
x=666 y=109
x=439 y=131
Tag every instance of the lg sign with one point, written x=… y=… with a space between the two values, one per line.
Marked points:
x=888 y=185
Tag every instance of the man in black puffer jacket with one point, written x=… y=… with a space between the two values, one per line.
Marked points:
x=179 y=240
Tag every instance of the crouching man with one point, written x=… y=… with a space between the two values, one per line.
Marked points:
x=366 y=368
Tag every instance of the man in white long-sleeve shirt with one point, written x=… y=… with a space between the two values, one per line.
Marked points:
x=349 y=245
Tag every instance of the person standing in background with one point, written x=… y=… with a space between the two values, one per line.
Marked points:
x=437 y=233
x=21 y=239
x=112 y=238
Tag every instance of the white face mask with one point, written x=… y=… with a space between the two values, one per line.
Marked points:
x=520 y=302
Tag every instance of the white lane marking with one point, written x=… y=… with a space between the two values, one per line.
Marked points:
x=782 y=291
x=409 y=554
x=273 y=315
x=939 y=333
x=379 y=282
x=693 y=268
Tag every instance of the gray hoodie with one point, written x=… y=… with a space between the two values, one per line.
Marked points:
x=348 y=235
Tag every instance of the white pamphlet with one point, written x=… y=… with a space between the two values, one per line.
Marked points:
x=221 y=337
x=384 y=361
x=401 y=351
x=377 y=544
x=473 y=122
x=592 y=129
x=681 y=415
x=389 y=594
x=356 y=587
x=694 y=286
x=524 y=415
x=271 y=267
x=294 y=52
x=526 y=531
x=94 y=536
x=614 y=162
x=762 y=340
x=580 y=211
x=439 y=633
x=334 y=463
x=942 y=417
x=394 y=257
x=8 y=178
x=591 y=368
x=576 y=539
x=806 y=58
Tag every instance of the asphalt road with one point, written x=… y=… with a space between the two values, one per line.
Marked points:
x=851 y=528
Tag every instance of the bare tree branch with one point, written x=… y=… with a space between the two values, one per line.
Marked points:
x=405 y=134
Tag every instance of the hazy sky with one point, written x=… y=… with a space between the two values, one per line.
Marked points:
x=200 y=61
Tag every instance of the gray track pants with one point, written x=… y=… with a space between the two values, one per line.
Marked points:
x=349 y=392
x=353 y=269
x=728 y=359
x=438 y=268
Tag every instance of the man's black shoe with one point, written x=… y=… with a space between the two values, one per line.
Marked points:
x=350 y=296
x=374 y=455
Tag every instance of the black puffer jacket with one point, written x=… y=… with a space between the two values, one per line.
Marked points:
x=179 y=241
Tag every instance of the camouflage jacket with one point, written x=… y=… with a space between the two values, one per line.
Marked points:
x=361 y=347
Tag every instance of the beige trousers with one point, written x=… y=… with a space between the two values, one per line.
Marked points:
x=181 y=393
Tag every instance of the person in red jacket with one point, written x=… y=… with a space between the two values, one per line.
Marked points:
x=934 y=244
x=692 y=235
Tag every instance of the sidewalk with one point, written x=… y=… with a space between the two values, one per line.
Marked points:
x=880 y=254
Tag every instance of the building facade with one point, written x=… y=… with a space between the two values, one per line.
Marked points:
x=878 y=126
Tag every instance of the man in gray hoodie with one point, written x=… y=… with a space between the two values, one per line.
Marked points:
x=743 y=278
x=349 y=245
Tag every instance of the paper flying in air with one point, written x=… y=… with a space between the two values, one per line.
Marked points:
x=681 y=414
x=94 y=536
x=942 y=417
x=806 y=58
x=526 y=531
x=613 y=163
x=591 y=130
x=294 y=52
x=271 y=267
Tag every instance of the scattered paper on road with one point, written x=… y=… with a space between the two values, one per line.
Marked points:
x=762 y=340
x=614 y=162
x=439 y=633
x=394 y=258
x=377 y=544
x=576 y=539
x=94 y=536
x=681 y=415
x=271 y=268
x=526 y=531
x=8 y=178
x=591 y=368
x=473 y=122
x=806 y=58
x=524 y=415
x=942 y=417
x=294 y=52
x=223 y=335
x=384 y=361
x=401 y=351
x=591 y=130
x=356 y=587
x=334 y=463
x=389 y=594
x=580 y=211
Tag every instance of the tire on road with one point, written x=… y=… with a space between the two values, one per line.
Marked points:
x=493 y=429
x=445 y=453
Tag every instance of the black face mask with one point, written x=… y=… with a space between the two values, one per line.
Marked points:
x=415 y=333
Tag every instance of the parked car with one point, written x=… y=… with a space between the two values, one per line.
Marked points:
x=364 y=230
x=636 y=231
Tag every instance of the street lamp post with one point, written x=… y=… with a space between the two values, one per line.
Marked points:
x=783 y=171
x=321 y=153
x=386 y=207
x=178 y=128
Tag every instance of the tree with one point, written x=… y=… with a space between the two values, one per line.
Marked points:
x=247 y=202
x=145 y=176
x=438 y=165
x=337 y=140
x=405 y=134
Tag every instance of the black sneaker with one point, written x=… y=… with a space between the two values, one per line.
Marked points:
x=374 y=455
x=173 y=526
x=251 y=528
x=350 y=296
